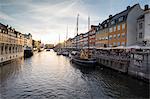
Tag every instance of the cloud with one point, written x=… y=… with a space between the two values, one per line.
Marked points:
x=4 y=16
x=45 y=19
x=48 y=19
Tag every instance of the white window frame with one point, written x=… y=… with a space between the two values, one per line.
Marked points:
x=123 y=26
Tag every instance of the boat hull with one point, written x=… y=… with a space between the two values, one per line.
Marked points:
x=86 y=63
x=59 y=53
x=48 y=50
x=28 y=53
x=65 y=53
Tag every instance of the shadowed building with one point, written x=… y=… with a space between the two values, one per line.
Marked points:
x=143 y=28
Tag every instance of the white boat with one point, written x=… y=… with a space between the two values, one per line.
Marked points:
x=65 y=53
x=59 y=52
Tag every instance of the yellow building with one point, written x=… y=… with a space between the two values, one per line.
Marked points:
x=120 y=29
x=102 y=35
x=11 y=43
x=117 y=35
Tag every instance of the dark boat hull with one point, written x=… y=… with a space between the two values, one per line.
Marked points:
x=28 y=53
x=48 y=50
x=87 y=63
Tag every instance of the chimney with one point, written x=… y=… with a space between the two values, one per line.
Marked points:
x=110 y=16
x=128 y=7
x=146 y=7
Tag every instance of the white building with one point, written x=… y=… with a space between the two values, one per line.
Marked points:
x=143 y=28
x=28 y=41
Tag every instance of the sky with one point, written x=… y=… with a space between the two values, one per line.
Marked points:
x=47 y=19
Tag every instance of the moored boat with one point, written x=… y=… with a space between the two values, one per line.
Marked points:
x=83 y=59
x=65 y=53
x=28 y=52
x=84 y=62
x=59 y=52
x=85 y=56
x=48 y=50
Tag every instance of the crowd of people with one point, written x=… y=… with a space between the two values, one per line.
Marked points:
x=120 y=54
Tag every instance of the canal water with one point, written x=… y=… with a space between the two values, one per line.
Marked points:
x=48 y=76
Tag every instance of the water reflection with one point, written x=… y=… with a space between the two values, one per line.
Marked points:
x=46 y=75
x=10 y=70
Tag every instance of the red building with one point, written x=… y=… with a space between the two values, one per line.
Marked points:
x=92 y=36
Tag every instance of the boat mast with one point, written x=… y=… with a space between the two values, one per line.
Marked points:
x=59 y=41
x=88 y=32
x=77 y=30
x=88 y=23
x=66 y=36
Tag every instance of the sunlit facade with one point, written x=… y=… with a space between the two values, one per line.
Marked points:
x=102 y=35
x=11 y=43
x=120 y=29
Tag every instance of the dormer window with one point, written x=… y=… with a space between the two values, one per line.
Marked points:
x=112 y=22
x=105 y=25
x=101 y=27
x=121 y=19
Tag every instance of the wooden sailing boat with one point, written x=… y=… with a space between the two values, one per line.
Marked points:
x=84 y=58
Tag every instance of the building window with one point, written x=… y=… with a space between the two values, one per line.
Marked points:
x=118 y=35
x=114 y=44
x=118 y=27
x=123 y=43
x=114 y=28
x=141 y=35
x=118 y=43
x=114 y=36
x=110 y=30
x=110 y=37
x=123 y=26
x=112 y=22
x=110 y=45
x=2 y=50
x=123 y=35
x=121 y=19
x=106 y=38
x=140 y=25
